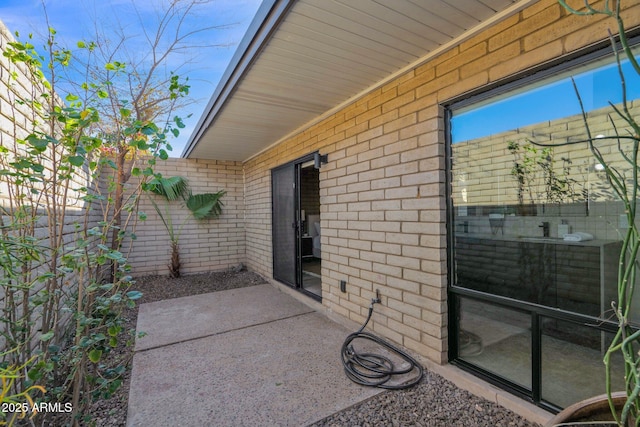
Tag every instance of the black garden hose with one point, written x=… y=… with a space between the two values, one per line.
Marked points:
x=375 y=370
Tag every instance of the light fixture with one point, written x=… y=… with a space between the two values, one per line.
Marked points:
x=320 y=159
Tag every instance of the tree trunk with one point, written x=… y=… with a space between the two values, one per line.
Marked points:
x=174 y=266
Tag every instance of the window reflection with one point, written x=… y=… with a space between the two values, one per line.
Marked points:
x=540 y=223
x=572 y=368
x=546 y=101
x=535 y=221
x=496 y=339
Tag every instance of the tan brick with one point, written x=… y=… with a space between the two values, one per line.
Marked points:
x=400 y=123
x=501 y=55
x=413 y=80
x=405 y=329
x=362 y=147
x=358 y=186
x=382 y=205
x=386 y=311
x=384 y=118
x=387 y=248
x=354 y=110
x=374 y=256
x=358 y=167
x=435 y=354
x=387 y=332
x=367 y=115
x=476 y=51
x=385 y=161
x=384 y=140
x=371 y=216
x=373 y=236
x=434 y=292
x=385 y=182
x=371 y=195
x=342 y=145
x=372 y=153
x=359 y=244
x=402 y=238
x=401 y=169
x=369 y=175
x=420 y=105
x=390 y=226
x=360 y=264
x=345 y=179
x=431 y=88
x=401 y=193
x=398 y=101
x=402 y=145
x=388 y=270
x=382 y=97
x=536 y=22
x=425 y=278
x=404 y=285
x=356 y=130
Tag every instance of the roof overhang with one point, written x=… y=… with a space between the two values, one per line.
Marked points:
x=302 y=60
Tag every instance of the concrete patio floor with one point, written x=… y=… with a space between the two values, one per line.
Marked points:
x=249 y=356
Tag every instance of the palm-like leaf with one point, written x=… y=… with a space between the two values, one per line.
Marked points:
x=171 y=188
x=207 y=205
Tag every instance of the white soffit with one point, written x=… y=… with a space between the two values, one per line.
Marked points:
x=303 y=59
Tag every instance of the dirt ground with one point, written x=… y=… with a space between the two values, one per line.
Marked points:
x=113 y=412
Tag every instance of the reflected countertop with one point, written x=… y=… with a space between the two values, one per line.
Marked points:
x=534 y=239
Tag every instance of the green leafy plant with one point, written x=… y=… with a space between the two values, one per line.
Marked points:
x=64 y=284
x=524 y=169
x=202 y=206
x=20 y=404
x=68 y=205
x=536 y=176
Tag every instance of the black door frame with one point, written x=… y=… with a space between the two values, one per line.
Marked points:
x=296 y=226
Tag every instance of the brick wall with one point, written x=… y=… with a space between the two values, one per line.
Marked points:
x=205 y=245
x=383 y=189
x=15 y=118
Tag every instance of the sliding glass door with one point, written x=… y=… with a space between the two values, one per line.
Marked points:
x=296 y=226
x=284 y=224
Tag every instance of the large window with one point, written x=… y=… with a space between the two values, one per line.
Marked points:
x=535 y=227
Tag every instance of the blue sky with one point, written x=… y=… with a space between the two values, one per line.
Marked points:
x=546 y=102
x=74 y=20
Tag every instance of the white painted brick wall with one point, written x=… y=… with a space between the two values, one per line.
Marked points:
x=206 y=245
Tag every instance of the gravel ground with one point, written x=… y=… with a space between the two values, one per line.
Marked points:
x=434 y=402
